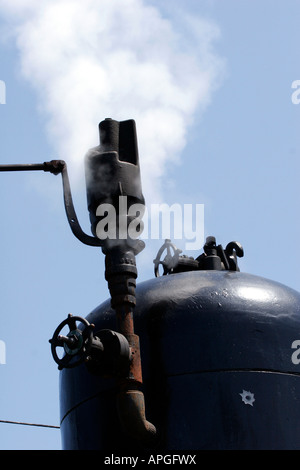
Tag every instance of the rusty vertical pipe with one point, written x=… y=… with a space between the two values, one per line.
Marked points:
x=126 y=328
x=121 y=274
x=130 y=399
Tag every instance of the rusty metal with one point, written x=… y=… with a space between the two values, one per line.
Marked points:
x=121 y=274
x=131 y=407
x=135 y=368
x=125 y=320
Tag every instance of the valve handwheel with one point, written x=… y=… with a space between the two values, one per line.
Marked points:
x=170 y=261
x=76 y=343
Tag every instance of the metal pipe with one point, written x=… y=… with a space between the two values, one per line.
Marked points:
x=59 y=167
x=54 y=166
x=130 y=400
x=121 y=274
x=131 y=408
x=24 y=167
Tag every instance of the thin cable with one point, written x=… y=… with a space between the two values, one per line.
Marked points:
x=30 y=424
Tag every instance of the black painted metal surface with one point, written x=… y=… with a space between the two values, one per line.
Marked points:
x=217 y=369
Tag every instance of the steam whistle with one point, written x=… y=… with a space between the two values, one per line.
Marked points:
x=112 y=171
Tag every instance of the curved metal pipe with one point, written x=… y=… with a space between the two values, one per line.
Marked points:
x=131 y=408
x=71 y=214
x=56 y=167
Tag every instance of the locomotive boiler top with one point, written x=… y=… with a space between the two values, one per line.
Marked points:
x=207 y=338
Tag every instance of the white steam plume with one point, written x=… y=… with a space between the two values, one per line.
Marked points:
x=93 y=59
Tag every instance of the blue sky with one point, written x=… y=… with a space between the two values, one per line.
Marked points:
x=209 y=85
